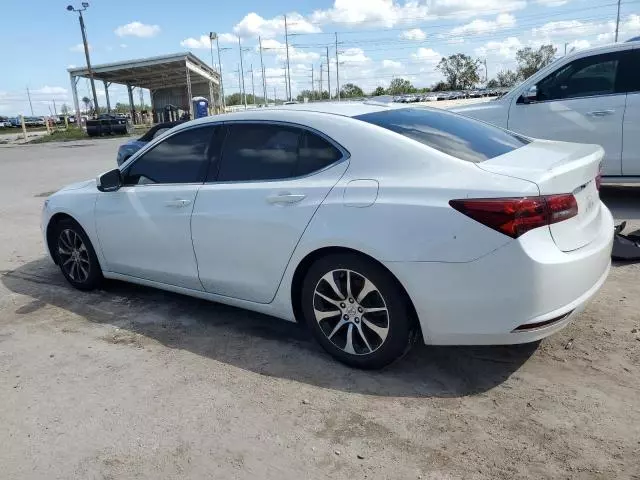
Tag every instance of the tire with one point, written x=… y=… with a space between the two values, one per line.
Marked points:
x=75 y=255
x=387 y=331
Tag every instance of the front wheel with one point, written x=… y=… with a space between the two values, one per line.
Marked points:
x=357 y=311
x=75 y=256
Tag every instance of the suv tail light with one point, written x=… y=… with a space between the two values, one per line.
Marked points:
x=516 y=216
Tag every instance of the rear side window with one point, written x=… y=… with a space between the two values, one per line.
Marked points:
x=264 y=151
x=455 y=135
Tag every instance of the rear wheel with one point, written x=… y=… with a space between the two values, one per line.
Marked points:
x=75 y=256
x=357 y=311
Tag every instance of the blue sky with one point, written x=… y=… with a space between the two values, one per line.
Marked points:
x=379 y=39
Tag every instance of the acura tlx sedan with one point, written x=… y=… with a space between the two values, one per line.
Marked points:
x=371 y=223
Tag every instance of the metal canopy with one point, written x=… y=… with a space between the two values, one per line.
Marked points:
x=153 y=72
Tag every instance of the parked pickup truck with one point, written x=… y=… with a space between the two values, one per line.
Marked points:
x=108 y=124
x=590 y=96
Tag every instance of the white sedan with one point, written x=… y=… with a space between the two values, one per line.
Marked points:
x=371 y=223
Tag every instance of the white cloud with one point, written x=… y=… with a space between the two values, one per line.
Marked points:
x=271 y=44
x=123 y=45
x=426 y=54
x=204 y=42
x=108 y=48
x=380 y=12
x=392 y=65
x=471 y=8
x=72 y=65
x=79 y=47
x=506 y=48
x=628 y=28
x=578 y=45
x=297 y=55
x=552 y=3
x=478 y=26
x=413 y=34
x=47 y=90
x=253 y=25
x=569 y=28
x=354 y=55
x=137 y=29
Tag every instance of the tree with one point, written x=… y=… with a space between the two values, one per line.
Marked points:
x=305 y=94
x=441 y=87
x=234 y=99
x=378 y=91
x=530 y=60
x=350 y=90
x=87 y=103
x=493 y=83
x=460 y=71
x=64 y=109
x=507 y=78
x=399 y=86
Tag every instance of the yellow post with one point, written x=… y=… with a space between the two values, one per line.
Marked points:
x=46 y=122
x=66 y=122
x=24 y=127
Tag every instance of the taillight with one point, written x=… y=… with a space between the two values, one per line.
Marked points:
x=516 y=216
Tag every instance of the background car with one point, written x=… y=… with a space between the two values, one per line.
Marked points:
x=132 y=146
x=589 y=96
x=370 y=222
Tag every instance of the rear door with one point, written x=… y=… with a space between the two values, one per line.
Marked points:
x=631 y=123
x=581 y=102
x=259 y=198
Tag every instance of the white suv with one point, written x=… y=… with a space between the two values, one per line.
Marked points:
x=590 y=96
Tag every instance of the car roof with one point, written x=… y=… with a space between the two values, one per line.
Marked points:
x=344 y=109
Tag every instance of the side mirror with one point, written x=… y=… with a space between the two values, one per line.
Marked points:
x=529 y=95
x=110 y=181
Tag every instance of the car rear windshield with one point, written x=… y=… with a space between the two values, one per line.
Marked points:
x=453 y=134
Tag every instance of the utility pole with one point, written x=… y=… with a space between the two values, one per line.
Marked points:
x=214 y=36
x=313 y=87
x=244 y=95
x=486 y=72
x=141 y=94
x=30 y=105
x=565 y=48
x=618 y=21
x=86 y=49
x=337 y=69
x=55 y=110
x=328 y=75
x=286 y=88
x=274 y=96
x=286 y=40
x=253 y=87
x=320 y=81
x=264 y=80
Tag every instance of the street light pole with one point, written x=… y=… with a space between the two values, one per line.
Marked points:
x=214 y=36
x=244 y=95
x=617 y=22
x=286 y=41
x=70 y=8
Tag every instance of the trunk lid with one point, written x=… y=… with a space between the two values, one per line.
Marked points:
x=557 y=168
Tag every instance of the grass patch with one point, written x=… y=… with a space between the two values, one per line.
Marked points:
x=69 y=135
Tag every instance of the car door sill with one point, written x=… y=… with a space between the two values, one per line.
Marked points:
x=266 y=308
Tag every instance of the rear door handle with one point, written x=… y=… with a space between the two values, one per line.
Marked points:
x=177 y=203
x=601 y=113
x=285 y=197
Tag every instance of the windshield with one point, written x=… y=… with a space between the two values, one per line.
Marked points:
x=453 y=134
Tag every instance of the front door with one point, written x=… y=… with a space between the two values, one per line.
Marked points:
x=144 y=228
x=580 y=102
x=250 y=215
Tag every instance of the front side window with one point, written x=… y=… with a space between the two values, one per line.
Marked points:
x=585 y=77
x=263 y=151
x=458 y=136
x=181 y=158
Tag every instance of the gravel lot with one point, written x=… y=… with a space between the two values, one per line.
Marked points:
x=129 y=382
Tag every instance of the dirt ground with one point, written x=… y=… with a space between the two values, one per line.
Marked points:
x=129 y=382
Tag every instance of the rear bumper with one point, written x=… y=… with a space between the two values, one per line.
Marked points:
x=528 y=281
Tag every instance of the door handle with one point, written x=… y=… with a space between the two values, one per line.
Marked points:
x=285 y=197
x=177 y=203
x=601 y=113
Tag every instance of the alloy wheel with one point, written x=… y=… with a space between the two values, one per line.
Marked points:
x=74 y=256
x=351 y=312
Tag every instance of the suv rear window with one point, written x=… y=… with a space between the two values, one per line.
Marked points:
x=453 y=134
